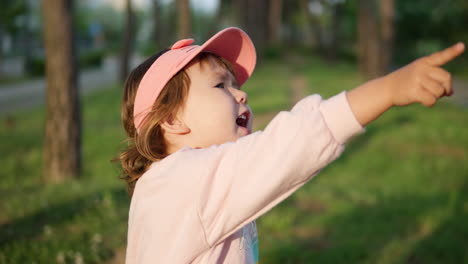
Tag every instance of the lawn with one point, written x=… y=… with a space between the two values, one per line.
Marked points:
x=399 y=194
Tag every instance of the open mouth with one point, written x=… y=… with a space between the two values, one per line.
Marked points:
x=243 y=119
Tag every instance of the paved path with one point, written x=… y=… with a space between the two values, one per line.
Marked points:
x=460 y=96
x=29 y=94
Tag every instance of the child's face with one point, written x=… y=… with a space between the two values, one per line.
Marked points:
x=214 y=106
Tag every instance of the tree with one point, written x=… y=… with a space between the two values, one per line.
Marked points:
x=387 y=17
x=62 y=153
x=375 y=40
x=335 y=40
x=253 y=17
x=274 y=21
x=9 y=14
x=222 y=15
x=313 y=24
x=368 y=39
x=184 y=16
x=127 y=42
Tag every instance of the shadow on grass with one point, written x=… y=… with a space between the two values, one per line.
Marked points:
x=448 y=243
x=397 y=229
x=32 y=226
x=360 y=141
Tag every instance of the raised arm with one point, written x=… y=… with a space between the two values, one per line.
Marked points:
x=422 y=81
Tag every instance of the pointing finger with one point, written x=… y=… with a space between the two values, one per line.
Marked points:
x=442 y=57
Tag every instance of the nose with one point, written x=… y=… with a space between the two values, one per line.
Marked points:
x=241 y=96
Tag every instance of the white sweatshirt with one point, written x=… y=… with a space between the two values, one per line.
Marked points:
x=199 y=205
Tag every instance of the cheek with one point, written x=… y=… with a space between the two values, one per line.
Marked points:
x=219 y=103
x=191 y=113
x=207 y=116
x=211 y=112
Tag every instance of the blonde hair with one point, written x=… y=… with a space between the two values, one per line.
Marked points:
x=148 y=145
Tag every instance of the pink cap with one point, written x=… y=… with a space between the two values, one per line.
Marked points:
x=232 y=44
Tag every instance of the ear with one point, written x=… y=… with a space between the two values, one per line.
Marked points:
x=175 y=126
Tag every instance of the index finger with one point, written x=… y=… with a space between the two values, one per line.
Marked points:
x=442 y=57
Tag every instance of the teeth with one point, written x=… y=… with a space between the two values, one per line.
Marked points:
x=243 y=117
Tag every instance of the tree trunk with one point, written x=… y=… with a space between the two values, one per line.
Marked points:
x=184 y=16
x=253 y=18
x=62 y=153
x=368 y=39
x=313 y=24
x=127 y=42
x=222 y=12
x=274 y=21
x=387 y=18
x=335 y=32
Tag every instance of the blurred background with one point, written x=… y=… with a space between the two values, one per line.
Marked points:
x=399 y=194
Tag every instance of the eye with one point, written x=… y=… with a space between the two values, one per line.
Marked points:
x=220 y=85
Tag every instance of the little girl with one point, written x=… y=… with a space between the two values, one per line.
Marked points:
x=200 y=178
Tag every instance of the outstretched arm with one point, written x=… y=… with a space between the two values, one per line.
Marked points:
x=422 y=81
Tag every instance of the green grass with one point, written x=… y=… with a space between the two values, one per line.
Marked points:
x=82 y=218
x=399 y=193
x=267 y=89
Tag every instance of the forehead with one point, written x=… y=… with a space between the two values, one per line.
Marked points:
x=210 y=65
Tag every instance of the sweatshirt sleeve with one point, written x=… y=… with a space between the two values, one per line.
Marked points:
x=246 y=178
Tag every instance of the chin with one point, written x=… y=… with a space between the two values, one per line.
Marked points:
x=244 y=131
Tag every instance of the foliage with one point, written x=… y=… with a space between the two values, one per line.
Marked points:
x=91 y=59
x=168 y=14
x=9 y=14
x=36 y=66
x=426 y=26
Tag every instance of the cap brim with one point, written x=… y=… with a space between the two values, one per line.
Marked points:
x=234 y=45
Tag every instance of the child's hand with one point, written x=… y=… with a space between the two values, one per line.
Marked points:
x=423 y=80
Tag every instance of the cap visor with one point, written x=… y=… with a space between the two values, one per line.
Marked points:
x=234 y=45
